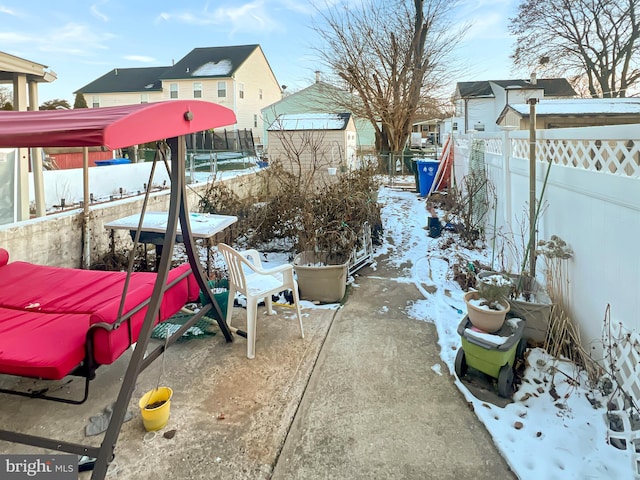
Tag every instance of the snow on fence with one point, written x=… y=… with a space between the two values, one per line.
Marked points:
x=592 y=201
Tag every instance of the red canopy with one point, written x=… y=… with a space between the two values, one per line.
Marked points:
x=111 y=127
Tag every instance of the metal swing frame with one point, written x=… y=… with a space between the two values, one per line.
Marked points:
x=141 y=359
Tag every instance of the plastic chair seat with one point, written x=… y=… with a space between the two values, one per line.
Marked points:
x=248 y=277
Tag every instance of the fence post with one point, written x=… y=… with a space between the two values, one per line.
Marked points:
x=506 y=165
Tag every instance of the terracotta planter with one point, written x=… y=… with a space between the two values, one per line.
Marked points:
x=318 y=279
x=482 y=318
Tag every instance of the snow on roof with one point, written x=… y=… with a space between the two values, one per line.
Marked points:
x=583 y=106
x=211 y=69
x=310 y=121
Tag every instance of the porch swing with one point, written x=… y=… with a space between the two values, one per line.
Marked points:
x=142 y=303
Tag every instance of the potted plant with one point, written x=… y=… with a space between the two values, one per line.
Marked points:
x=332 y=221
x=487 y=307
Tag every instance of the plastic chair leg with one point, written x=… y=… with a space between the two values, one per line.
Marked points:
x=230 y=301
x=296 y=301
x=251 y=327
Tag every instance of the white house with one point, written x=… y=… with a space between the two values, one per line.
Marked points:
x=479 y=104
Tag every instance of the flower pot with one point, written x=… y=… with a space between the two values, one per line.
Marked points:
x=482 y=317
x=154 y=408
x=536 y=311
x=321 y=279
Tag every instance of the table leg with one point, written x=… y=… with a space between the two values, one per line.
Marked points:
x=158 y=255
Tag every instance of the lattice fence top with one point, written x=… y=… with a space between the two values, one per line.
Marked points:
x=618 y=157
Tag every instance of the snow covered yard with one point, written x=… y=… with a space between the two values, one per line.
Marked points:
x=555 y=427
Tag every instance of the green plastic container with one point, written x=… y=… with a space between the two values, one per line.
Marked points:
x=221 y=297
x=493 y=354
x=485 y=356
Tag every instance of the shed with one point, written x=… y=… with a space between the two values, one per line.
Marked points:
x=313 y=142
x=577 y=112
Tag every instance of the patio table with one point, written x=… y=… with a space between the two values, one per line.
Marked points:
x=204 y=226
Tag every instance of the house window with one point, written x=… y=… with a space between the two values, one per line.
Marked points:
x=144 y=98
x=241 y=90
x=173 y=90
x=222 y=89
x=95 y=102
x=197 y=90
x=255 y=121
x=260 y=94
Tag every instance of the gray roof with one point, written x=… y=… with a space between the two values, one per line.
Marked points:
x=210 y=62
x=553 y=87
x=144 y=79
x=310 y=121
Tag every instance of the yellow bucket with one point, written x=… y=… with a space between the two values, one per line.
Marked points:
x=154 y=407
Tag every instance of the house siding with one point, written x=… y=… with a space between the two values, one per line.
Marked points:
x=255 y=74
x=117 y=99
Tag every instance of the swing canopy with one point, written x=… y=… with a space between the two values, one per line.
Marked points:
x=110 y=127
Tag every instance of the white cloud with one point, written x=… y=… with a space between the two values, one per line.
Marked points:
x=298 y=6
x=72 y=39
x=8 y=11
x=97 y=13
x=140 y=58
x=489 y=25
x=250 y=17
x=13 y=37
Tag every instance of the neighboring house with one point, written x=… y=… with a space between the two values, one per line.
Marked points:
x=313 y=142
x=576 y=112
x=478 y=104
x=430 y=132
x=237 y=77
x=321 y=97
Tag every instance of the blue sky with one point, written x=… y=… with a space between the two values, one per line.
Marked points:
x=82 y=40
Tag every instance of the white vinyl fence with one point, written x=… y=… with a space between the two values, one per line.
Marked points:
x=592 y=201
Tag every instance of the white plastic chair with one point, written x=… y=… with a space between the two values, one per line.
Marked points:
x=247 y=277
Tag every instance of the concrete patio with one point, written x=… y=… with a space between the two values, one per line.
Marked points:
x=356 y=398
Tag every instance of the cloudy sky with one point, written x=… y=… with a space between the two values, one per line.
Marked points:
x=82 y=40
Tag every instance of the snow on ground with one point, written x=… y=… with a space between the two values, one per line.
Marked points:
x=546 y=433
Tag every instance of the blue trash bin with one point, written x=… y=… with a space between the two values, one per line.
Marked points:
x=427 y=170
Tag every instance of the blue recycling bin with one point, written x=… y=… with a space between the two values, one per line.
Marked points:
x=427 y=170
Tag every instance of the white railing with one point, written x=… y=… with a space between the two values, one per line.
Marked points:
x=613 y=149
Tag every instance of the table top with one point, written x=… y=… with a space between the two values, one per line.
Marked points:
x=203 y=225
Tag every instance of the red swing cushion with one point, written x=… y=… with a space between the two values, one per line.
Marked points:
x=45 y=313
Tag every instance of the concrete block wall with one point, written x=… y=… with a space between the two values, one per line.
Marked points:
x=57 y=239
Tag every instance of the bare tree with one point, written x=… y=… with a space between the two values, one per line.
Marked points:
x=595 y=41
x=6 y=97
x=55 y=104
x=392 y=55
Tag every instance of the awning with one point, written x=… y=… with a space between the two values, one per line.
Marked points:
x=111 y=127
